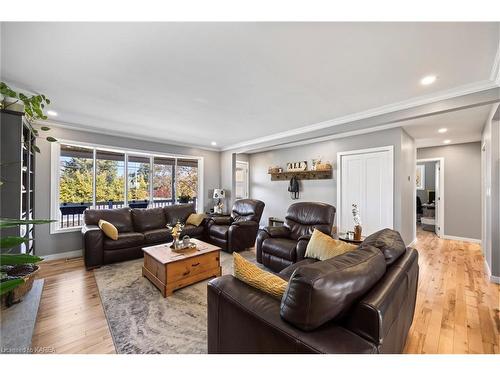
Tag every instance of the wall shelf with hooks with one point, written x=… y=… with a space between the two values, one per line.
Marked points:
x=302 y=175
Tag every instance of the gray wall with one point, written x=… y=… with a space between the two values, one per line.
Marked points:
x=227 y=177
x=277 y=198
x=462 y=187
x=491 y=193
x=48 y=244
x=430 y=180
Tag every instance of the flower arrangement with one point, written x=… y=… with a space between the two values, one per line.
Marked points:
x=175 y=231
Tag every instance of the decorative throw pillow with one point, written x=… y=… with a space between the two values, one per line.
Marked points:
x=322 y=247
x=252 y=275
x=108 y=229
x=195 y=219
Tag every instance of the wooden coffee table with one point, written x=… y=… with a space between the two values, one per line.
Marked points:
x=169 y=271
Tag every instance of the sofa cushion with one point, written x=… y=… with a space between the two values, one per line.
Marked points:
x=130 y=239
x=148 y=218
x=178 y=212
x=258 y=278
x=389 y=242
x=157 y=235
x=195 y=219
x=121 y=218
x=322 y=246
x=280 y=247
x=109 y=229
x=320 y=292
x=219 y=231
x=192 y=231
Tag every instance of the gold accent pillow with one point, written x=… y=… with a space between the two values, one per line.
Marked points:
x=252 y=275
x=322 y=247
x=108 y=229
x=195 y=219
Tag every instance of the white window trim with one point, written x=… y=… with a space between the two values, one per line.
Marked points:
x=55 y=154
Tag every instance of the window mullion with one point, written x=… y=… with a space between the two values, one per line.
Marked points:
x=151 y=175
x=94 y=178
x=125 y=198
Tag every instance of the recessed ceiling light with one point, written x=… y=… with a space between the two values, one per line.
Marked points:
x=52 y=113
x=442 y=130
x=427 y=80
x=446 y=141
x=213 y=143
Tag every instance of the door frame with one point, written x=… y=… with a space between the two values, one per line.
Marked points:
x=340 y=154
x=441 y=194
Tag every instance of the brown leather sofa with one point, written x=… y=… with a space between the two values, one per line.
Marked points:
x=359 y=302
x=279 y=247
x=238 y=231
x=137 y=228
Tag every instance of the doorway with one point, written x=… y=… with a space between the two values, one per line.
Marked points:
x=430 y=196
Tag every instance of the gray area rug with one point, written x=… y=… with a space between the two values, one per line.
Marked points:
x=142 y=321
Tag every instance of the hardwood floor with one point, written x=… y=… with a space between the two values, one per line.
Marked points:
x=457 y=307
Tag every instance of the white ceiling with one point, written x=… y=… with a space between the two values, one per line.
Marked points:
x=462 y=126
x=230 y=82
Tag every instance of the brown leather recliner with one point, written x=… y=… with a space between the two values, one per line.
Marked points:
x=279 y=247
x=238 y=231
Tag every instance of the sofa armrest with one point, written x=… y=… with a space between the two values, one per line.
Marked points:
x=246 y=223
x=301 y=247
x=220 y=220
x=242 y=319
x=93 y=238
x=277 y=232
x=242 y=234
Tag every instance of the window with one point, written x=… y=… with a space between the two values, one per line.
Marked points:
x=138 y=171
x=241 y=180
x=186 y=180
x=76 y=166
x=102 y=178
x=110 y=179
x=163 y=181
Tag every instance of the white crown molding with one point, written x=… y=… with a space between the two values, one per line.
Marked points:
x=495 y=70
x=89 y=129
x=407 y=104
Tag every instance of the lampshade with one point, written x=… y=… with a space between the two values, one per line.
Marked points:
x=219 y=193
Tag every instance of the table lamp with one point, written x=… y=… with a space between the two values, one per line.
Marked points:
x=219 y=194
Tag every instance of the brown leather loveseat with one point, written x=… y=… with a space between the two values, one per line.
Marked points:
x=279 y=247
x=362 y=301
x=137 y=228
x=238 y=231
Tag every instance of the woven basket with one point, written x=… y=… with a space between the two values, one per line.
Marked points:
x=16 y=295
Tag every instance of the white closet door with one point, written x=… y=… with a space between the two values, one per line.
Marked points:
x=367 y=180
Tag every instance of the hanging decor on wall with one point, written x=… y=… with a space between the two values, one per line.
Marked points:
x=296 y=166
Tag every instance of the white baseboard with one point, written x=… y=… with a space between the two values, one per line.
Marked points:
x=493 y=279
x=66 y=255
x=465 y=239
x=412 y=243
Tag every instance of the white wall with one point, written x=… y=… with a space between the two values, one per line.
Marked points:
x=277 y=199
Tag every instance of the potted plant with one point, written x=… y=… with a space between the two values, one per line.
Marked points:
x=184 y=198
x=18 y=271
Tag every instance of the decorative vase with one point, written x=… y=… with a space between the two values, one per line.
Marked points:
x=357 y=232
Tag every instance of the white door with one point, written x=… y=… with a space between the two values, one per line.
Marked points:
x=437 y=198
x=366 y=179
x=241 y=180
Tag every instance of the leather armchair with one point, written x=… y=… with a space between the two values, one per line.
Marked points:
x=238 y=231
x=279 y=247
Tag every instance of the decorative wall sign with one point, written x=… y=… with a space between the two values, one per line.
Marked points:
x=296 y=166
x=420 y=178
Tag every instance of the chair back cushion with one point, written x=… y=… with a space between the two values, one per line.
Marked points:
x=121 y=218
x=148 y=219
x=389 y=242
x=322 y=291
x=247 y=209
x=302 y=218
x=179 y=212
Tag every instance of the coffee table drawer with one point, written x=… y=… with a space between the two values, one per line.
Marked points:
x=184 y=268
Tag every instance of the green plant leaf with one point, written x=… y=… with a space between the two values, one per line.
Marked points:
x=51 y=139
x=7 y=285
x=35 y=148
x=13 y=259
x=11 y=241
x=11 y=223
x=45 y=128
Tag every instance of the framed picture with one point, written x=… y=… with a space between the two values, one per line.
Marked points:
x=420 y=177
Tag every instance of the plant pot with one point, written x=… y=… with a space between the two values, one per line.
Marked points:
x=357 y=232
x=16 y=295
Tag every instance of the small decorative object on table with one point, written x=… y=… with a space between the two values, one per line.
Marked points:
x=357 y=222
x=175 y=231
